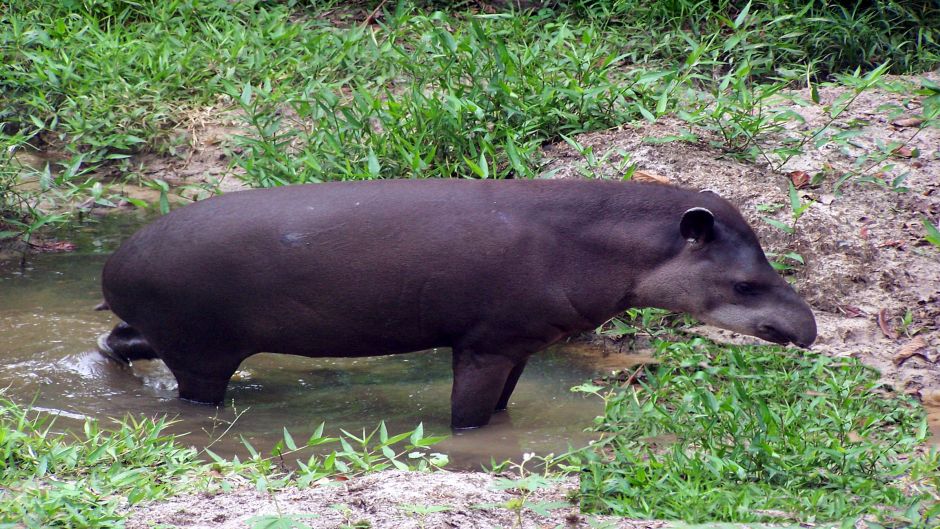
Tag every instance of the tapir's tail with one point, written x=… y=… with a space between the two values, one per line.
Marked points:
x=125 y=344
x=103 y=306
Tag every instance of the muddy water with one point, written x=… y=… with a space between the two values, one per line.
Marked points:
x=48 y=357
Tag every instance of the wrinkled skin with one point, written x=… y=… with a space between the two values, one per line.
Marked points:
x=496 y=270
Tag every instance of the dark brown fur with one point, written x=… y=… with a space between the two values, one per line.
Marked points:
x=497 y=270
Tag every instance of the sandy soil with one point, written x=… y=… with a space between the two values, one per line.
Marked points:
x=386 y=499
x=866 y=266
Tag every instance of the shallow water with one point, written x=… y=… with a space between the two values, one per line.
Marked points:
x=47 y=356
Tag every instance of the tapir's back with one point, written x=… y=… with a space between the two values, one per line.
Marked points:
x=312 y=267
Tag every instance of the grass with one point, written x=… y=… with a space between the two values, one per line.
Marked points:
x=426 y=93
x=755 y=434
x=760 y=434
x=87 y=479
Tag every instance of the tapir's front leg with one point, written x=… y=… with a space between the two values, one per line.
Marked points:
x=479 y=381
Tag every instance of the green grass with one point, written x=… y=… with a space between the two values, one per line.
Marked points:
x=425 y=94
x=86 y=479
x=460 y=93
x=759 y=434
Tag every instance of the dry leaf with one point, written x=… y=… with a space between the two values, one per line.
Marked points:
x=800 y=179
x=649 y=176
x=907 y=122
x=850 y=311
x=885 y=325
x=904 y=152
x=910 y=349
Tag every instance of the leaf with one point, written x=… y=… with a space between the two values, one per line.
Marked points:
x=907 y=122
x=795 y=203
x=905 y=152
x=910 y=349
x=741 y=16
x=885 y=325
x=799 y=179
x=777 y=224
x=544 y=508
x=246 y=95
x=649 y=176
x=418 y=434
x=374 y=168
x=289 y=441
x=484 y=166
x=933 y=232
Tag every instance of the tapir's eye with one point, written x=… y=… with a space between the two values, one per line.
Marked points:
x=745 y=289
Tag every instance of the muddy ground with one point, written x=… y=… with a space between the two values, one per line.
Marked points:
x=867 y=268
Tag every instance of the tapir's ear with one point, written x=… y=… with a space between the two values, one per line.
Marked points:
x=697 y=225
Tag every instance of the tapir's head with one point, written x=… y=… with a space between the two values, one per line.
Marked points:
x=721 y=276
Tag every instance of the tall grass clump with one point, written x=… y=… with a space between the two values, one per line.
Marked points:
x=474 y=97
x=833 y=36
x=760 y=434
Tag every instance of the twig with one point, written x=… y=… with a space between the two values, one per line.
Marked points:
x=371 y=18
x=632 y=378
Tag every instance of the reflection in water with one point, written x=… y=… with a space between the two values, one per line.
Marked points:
x=47 y=356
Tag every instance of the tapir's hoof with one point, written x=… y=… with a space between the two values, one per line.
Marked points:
x=108 y=352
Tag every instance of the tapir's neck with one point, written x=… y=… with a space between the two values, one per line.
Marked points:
x=624 y=235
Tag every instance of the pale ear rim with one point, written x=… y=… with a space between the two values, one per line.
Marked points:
x=697 y=225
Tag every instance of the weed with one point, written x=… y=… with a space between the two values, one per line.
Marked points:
x=54 y=479
x=933 y=232
x=526 y=484
x=421 y=511
x=752 y=434
x=279 y=521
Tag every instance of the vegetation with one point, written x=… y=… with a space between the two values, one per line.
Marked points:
x=449 y=90
x=749 y=434
x=50 y=479
x=423 y=93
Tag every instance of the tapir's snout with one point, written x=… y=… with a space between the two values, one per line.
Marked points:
x=783 y=319
x=797 y=327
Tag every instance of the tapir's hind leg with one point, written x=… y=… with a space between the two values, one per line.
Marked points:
x=206 y=383
x=125 y=344
x=510 y=385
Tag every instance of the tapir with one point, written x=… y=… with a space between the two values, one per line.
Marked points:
x=496 y=270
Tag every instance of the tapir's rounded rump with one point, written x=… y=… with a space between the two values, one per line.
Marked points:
x=497 y=270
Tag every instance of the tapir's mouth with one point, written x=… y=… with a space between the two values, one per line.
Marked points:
x=772 y=334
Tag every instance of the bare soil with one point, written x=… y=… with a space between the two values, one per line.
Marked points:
x=384 y=499
x=866 y=267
